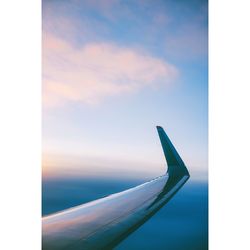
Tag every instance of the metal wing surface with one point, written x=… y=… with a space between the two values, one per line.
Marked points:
x=104 y=223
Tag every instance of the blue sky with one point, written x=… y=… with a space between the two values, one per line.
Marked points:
x=112 y=71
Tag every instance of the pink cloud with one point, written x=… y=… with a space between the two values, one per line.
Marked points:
x=96 y=71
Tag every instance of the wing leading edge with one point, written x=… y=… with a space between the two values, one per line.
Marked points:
x=104 y=223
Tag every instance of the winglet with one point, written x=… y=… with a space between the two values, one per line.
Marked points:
x=176 y=166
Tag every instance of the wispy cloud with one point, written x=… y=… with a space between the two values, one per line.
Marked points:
x=97 y=70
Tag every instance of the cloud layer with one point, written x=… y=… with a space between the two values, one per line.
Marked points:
x=90 y=73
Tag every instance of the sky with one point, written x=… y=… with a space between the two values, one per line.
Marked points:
x=112 y=71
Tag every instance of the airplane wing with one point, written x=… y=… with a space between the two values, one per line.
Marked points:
x=104 y=223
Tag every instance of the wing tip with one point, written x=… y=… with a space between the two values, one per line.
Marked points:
x=159 y=127
x=174 y=161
